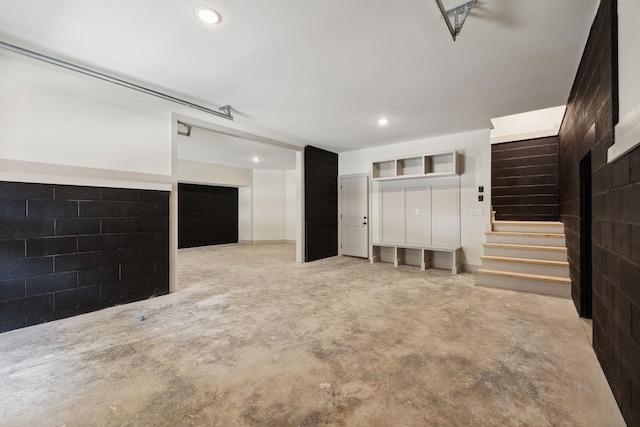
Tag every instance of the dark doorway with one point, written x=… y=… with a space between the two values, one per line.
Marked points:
x=207 y=215
x=586 y=295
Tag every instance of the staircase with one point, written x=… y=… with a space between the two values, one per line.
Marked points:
x=528 y=256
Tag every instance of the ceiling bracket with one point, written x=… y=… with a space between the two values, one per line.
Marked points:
x=457 y=14
x=226 y=110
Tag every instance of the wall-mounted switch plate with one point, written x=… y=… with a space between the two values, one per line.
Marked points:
x=475 y=212
x=417 y=211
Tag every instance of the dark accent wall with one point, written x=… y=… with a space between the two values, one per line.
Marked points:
x=67 y=250
x=588 y=127
x=320 y=203
x=207 y=215
x=525 y=181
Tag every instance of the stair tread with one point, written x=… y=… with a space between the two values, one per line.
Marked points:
x=525 y=260
x=533 y=223
x=531 y=247
x=524 y=234
x=552 y=279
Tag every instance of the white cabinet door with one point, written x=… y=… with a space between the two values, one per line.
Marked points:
x=418 y=216
x=354 y=206
x=445 y=216
x=393 y=215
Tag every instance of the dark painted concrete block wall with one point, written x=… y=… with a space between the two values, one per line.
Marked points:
x=207 y=215
x=588 y=127
x=67 y=250
x=321 y=203
x=525 y=180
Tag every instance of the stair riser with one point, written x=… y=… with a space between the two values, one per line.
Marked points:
x=526 y=240
x=524 y=228
x=514 y=267
x=526 y=253
x=525 y=285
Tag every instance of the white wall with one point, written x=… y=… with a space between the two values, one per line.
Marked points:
x=475 y=155
x=627 y=132
x=245 y=214
x=292 y=200
x=53 y=116
x=269 y=205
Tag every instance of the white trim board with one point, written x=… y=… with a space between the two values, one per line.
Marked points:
x=46 y=173
x=627 y=135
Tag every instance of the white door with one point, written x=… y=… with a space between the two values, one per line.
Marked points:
x=354 y=216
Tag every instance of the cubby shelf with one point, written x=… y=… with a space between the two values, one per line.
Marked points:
x=425 y=166
x=421 y=255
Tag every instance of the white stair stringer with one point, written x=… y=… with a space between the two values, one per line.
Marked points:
x=526 y=256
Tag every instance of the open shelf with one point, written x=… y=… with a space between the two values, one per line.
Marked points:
x=428 y=165
x=410 y=166
x=385 y=169
x=424 y=257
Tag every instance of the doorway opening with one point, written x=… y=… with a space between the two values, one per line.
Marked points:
x=586 y=291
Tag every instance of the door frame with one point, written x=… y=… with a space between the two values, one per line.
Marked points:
x=586 y=272
x=339 y=183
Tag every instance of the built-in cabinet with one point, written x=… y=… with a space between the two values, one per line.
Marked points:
x=424 y=166
x=415 y=218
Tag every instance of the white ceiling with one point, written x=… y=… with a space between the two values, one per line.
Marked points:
x=322 y=72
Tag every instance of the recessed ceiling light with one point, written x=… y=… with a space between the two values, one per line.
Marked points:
x=383 y=121
x=256 y=159
x=207 y=15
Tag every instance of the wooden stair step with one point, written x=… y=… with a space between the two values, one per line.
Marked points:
x=524 y=234
x=529 y=247
x=531 y=223
x=535 y=277
x=525 y=261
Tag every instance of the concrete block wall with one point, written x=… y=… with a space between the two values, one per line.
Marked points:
x=321 y=203
x=207 y=215
x=67 y=250
x=588 y=127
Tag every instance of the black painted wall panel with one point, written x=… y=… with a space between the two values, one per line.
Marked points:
x=67 y=250
x=525 y=180
x=207 y=215
x=321 y=203
x=588 y=126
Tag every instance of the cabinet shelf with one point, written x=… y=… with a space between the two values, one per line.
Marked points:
x=425 y=166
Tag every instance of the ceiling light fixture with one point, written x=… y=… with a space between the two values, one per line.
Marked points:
x=457 y=14
x=207 y=15
x=383 y=121
x=256 y=159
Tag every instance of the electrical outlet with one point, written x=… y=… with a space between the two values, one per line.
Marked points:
x=481 y=198
x=481 y=189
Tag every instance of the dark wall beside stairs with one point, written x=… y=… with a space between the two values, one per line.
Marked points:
x=67 y=250
x=525 y=181
x=207 y=215
x=321 y=203
x=588 y=128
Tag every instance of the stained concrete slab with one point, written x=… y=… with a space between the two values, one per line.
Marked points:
x=254 y=339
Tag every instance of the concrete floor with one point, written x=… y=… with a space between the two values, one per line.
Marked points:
x=254 y=339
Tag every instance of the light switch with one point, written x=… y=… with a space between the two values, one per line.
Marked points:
x=417 y=211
